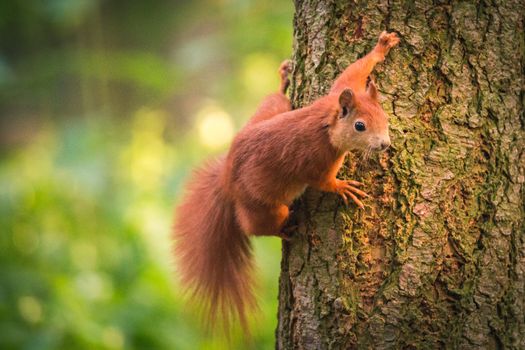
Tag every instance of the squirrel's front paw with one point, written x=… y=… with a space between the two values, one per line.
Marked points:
x=388 y=40
x=346 y=188
x=385 y=43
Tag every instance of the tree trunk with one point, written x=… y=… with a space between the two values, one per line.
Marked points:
x=437 y=259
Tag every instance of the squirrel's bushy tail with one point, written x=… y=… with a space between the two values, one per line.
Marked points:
x=214 y=255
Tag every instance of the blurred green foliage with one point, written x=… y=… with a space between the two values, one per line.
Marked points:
x=105 y=106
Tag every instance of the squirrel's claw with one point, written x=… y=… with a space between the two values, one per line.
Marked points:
x=345 y=190
x=348 y=186
x=356 y=191
x=343 y=195
x=354 y=183
x=356 y=201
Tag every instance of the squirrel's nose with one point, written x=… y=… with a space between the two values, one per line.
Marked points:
x=385 y=145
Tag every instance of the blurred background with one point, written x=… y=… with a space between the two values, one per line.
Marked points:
x=105 y=106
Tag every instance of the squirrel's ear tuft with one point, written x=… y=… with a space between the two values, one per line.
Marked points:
x=371 y=90
x=347 y=100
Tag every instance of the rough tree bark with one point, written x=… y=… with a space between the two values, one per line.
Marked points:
x=437 y=259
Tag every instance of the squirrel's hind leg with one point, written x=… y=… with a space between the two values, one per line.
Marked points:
x=262 y=220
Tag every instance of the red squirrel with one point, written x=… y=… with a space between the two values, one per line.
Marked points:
x=270 y=162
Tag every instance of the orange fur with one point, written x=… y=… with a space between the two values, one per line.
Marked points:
x=270 y=162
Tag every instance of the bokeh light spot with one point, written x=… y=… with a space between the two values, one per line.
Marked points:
x=215 y=126
x=93 y=286
x=30 y=309
x=84 y=255
x=113 y=338
x=259 y=73
x=144 y=158
x=25 y=239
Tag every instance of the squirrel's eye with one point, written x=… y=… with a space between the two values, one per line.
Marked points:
x=360 y=126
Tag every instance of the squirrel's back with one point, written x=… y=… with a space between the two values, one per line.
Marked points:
x=277 y=157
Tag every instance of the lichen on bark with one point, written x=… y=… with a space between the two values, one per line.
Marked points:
x=437 y=259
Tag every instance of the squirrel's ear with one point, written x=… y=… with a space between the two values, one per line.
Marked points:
x=371 y=90
x=347 y=101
